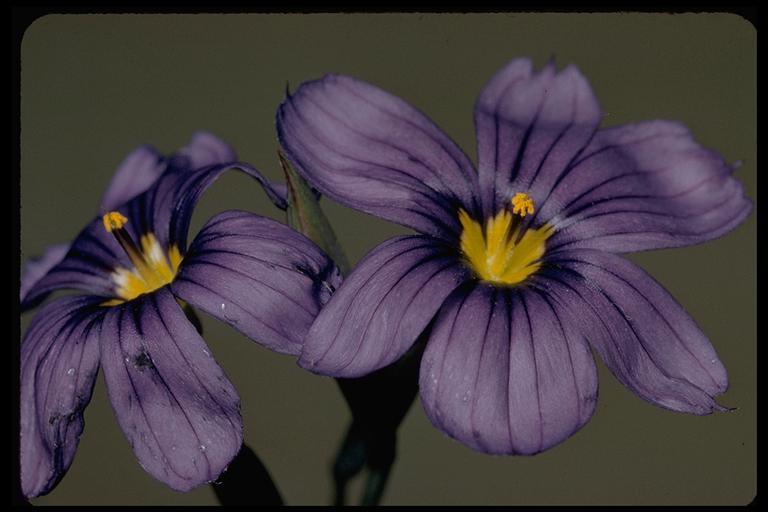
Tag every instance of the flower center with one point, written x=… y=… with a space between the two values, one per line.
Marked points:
x=506 y=253
x=152 y=267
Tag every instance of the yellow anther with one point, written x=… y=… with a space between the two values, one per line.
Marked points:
x=522 y=204
x=114 y=220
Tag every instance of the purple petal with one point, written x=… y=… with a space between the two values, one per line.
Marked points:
x=504 y=374
x=644 y=336
x=645 y=186
x=372 y=151
x=203 y=150
x=87 y=266
x=164 y=210
x=382 y=307
x=136 y=173
x=35 y=269
x=530 y=126
x=263 y=278
x=177 y=214
x=59 y=362
x=178 y=410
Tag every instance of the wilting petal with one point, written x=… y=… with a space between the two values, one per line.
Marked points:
x=644 y=336
x=178 y=213
x=35 y=269
x=59 y=362
x=645 y=186
x=263 y=278
x=382 y=307
x=178 y=410
x=504 y=374
x=530 y=126
x=203 y=150
x=372 y=151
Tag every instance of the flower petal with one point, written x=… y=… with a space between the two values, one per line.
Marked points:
x=178 y=410
x=203 y=150
x=189 y=190
x=504 y=374
x=644 y=336
x=59 y=363
x=35 y=269
x=134 y=175
x=645 y=186
x=372 y=151
x=382 y=307
x=530 y=126
x=87 y=266
x=263 y=278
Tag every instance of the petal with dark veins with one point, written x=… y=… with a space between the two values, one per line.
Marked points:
x=59 y=363
x=261 y=277
x=178 y=410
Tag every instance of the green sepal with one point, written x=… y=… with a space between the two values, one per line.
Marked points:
x=305 y=215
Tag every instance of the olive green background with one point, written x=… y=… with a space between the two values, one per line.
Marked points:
x=96 y=86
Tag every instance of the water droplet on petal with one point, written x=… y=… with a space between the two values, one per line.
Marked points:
x=71 y=371
x=202 y=448
x=223 y=306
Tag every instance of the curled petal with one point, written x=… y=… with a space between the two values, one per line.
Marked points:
x=530 y=127
x=263 y=278
x=188 y=191
x=59 y=363
x=178 y=410
x=504 y=373
x=382 y=307
x=644 y=336
x=372 y=151
x=644 y=186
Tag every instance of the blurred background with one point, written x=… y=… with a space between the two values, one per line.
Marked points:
x=96 y=86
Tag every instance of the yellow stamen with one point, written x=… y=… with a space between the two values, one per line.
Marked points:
x=153 y=268
x=113 y=220
x=504 y=255
x=522 y=204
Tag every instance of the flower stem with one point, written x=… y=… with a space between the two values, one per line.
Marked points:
x=246 y=482
x=378 y=402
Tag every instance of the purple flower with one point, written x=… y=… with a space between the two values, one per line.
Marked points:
x=514 y=267
x=178 y=410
